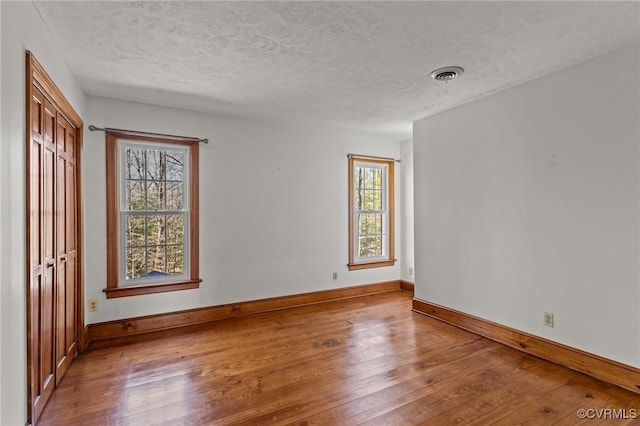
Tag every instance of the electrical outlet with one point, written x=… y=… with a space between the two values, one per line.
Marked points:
x=335 y=276
x=93 y=305
x=410 y=272
x=548 y=319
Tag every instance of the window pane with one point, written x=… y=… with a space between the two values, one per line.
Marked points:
x=377 y=246
x=175 y=259
x=156 y=165
x=156 y=261
x=135 y=263
x=369 y=243
x=377 y=200
x=365 y=225
x=175 y=166
x=359 y=177
x=134 y=163
x=362 y=224
x=373 y=220
x=363 y=196
x=175 y=229
x=357 y=185
x=135 y=195
x=362 y=246
x=134 y=232
x=156 y=231
x=155 y=195
x=368 y=200
x=175 y=196
x=358 y=200
x=368 y=181
x=377 y=179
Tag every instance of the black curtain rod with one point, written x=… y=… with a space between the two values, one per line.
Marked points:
x=93 y=128
x=364 y=157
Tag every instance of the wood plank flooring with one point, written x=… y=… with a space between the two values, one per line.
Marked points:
x=368 y=361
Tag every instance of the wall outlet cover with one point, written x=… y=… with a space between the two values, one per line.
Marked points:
x=548 y=319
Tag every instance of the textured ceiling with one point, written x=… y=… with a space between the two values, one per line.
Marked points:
x=362 y=65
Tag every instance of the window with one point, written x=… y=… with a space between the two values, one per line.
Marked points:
x=371 y=212
x=152 y=214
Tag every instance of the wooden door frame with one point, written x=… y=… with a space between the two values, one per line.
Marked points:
x=36 y=75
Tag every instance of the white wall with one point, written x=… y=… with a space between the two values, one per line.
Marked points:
x=2 y=219
x=21 y=29
x=527 y=201
x=406 y=211
x=273 y=207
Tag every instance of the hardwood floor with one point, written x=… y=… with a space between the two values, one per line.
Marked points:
x=368 y=361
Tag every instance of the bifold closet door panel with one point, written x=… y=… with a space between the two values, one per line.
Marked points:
x=65 y=277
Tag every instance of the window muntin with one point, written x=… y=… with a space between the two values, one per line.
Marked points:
x=154 y=213
x=370 y=212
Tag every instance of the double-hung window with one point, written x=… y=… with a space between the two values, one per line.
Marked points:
x=371 y=212
x=152 y=214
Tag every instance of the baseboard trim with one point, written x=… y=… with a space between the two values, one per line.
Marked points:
x=407 y=286
x=165 y=321
x=610 y=371
x=84 y=344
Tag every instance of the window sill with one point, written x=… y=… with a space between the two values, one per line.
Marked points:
x=136 y=290
x=368 y=265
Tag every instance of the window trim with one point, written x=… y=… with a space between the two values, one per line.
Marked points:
x=388 y=260
x=114 y=287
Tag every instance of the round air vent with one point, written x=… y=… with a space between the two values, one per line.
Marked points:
x=447 y=73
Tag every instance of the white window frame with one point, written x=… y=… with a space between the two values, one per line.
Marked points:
x=123 y=213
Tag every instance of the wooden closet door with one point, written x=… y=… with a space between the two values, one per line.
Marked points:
x=71 y=231
x=42 y=256
x=54 y=245
x=65 y=283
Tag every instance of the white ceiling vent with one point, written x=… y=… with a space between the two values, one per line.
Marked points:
x=447 y=73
